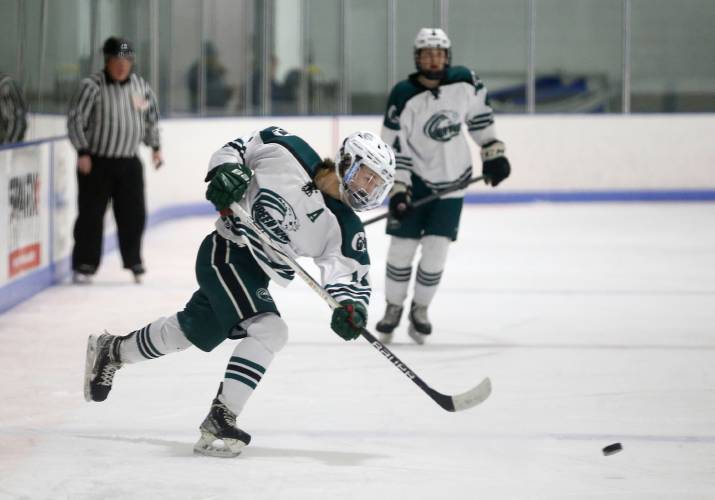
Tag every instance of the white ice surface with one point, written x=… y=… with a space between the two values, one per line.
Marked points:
x=596 y=324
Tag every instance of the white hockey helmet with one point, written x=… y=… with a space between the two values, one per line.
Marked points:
x=365 y=165
x=432 y=38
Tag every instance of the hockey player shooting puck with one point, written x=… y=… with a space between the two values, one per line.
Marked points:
x=612 y=448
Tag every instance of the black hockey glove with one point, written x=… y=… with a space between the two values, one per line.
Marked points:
x=400 y=202
x=349 y=319
x=228 y=184
x=495 y=166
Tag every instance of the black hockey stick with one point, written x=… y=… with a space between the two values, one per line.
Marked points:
x=458 y=402
x=432 y=197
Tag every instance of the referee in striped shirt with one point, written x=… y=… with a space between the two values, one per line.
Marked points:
x=111 y=113
x=13 y=119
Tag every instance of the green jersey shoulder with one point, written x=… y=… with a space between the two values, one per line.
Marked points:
x=354 y=244
x=401 y=93
x=300 y=149
x=461 y=74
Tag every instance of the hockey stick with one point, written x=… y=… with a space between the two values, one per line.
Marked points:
x=458 y=402
x=432 y=197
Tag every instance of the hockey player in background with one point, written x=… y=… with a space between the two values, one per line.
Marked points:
x=423 y=124
x=303 y=203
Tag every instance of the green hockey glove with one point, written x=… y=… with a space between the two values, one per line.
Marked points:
x=349 y=319
x=228 y=184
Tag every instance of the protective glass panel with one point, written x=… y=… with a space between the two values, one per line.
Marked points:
x=180 y=47
x=323 y=56
x=490 y=37
x=367 y=35
x=13 y=126
x=227 y=53
x=411 y=16
x=579 y=63
x=673 y=56
x=286 y=58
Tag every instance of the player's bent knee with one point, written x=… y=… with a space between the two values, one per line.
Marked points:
x=270 y=330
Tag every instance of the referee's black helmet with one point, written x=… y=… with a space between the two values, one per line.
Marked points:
x=118 y=47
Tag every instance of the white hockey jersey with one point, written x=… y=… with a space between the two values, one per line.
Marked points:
x=424 y=127
x=284 y=202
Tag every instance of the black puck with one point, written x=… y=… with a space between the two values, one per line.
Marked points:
x=612 y=448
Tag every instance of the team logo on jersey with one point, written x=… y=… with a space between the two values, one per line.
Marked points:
x=359 y=242
x=392 y=116
x=263 y=294
x=274 y=215
x=443 y=125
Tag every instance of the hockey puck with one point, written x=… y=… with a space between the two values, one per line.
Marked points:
x=612 y=448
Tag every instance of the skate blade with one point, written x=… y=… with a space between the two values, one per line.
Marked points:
x=89 y=365
x=205 y=446
x=416 y=336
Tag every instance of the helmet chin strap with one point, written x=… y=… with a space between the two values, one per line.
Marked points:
x=433 y=75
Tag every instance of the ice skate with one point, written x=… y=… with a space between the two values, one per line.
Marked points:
x=138 y=272
x=100 y=366
x=79 y=278
x=219 y=435
x=420 y=326
x=389 y=322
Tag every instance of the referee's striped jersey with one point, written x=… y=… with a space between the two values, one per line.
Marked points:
x=13 y=121
x=109 y=119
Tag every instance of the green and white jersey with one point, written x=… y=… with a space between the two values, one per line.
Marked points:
x=284 y=202
x=424 y=127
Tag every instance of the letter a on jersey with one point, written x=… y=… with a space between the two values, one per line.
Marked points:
x=314 y=215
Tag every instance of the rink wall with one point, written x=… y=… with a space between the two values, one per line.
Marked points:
x=579 y=158
x=553 y=157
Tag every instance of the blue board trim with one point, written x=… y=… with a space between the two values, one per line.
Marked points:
x=683 y=195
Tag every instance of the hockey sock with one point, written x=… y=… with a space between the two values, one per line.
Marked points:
x=399 y=269
x=160 y=337
x=429 y=270
x=267 y=334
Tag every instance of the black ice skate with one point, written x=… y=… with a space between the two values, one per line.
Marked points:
x=138 y=272
x=420 y=325
x=389 y=322
x=101 y=364
x=79 y=278
x=220 y=426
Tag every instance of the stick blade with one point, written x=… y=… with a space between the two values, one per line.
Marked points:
x=473 y=396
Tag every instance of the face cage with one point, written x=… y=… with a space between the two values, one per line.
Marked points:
x=357 y=197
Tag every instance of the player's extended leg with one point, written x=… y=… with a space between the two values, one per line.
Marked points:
x=266 y=334
x=107 y=353
x=397 y=280
x=429 y=274
x=234 y=293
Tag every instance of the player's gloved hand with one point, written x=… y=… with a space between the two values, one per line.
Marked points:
x=349 y=319
x=228 y=184
x=400 y=201
x=495 y=166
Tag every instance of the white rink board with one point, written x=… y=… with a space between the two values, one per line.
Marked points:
x=593 y=321
x=547 y=152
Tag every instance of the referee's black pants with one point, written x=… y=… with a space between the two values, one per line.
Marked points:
x=122 y=181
